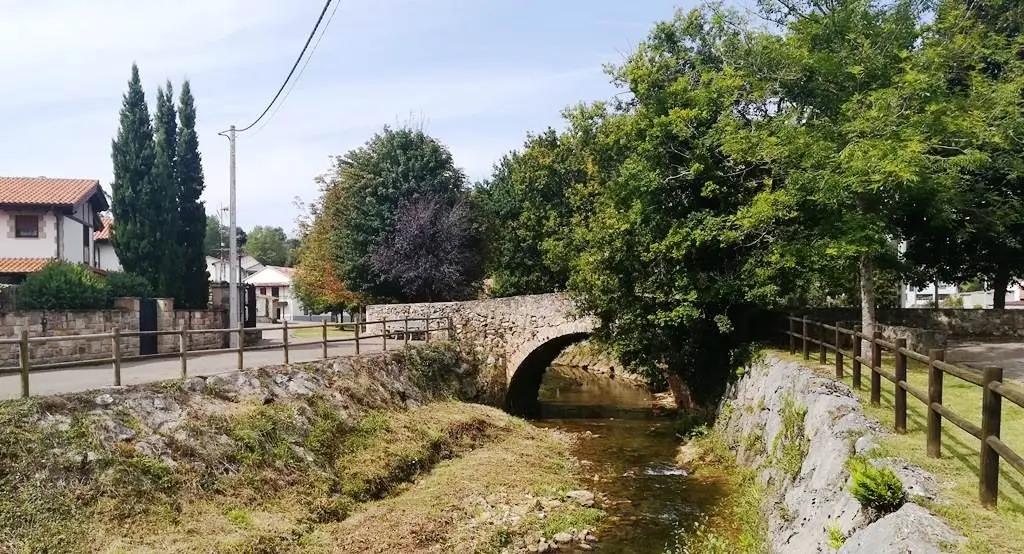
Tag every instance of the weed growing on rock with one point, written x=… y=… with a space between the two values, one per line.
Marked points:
x=791 y=445
x=836 y=538
x=574 y=520
x=878 y=490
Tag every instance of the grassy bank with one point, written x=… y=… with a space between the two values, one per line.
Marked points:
x=399 y=481
x=988 y=530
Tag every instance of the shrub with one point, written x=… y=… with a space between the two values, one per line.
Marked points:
x=121 y=285
x=63 y=286
x=877 y=489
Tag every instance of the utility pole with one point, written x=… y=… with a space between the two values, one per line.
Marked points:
x=234 y=308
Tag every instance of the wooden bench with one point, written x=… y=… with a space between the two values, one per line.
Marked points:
x=396 y=329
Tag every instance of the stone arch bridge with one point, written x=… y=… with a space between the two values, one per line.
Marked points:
x=519 y=336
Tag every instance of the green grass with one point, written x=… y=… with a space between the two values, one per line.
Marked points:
x=988 y=530
x=836 y=538
x=574 y=519
x=312 y=333
x=790 y=445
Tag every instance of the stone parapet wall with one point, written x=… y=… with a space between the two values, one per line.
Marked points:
x=918 y=340
x=954 y=322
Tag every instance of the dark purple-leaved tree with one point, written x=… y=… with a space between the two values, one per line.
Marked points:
x=433 y=252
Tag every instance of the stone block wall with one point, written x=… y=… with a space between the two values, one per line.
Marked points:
x=203 y=319
x=918 y=340
x=954 y=322
x=63 y=326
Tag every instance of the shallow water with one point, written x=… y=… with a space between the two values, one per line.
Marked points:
x=628 y=453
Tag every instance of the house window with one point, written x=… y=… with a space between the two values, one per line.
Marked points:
x=275 y=291
x=26 y=226
x=263 y=291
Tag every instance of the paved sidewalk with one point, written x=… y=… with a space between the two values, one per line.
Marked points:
x=1008 y=355
x=58 y=381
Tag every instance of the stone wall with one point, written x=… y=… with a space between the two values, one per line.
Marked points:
x=67 y=325
x=956 y=323
x=918 y=340
x=502 y=330
x=800 y=506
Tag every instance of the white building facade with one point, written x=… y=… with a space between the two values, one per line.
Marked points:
x=275 y=298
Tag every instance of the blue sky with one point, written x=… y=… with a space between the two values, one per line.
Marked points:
x=478 y=74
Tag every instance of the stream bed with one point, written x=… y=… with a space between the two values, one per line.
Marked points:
x=628 y=454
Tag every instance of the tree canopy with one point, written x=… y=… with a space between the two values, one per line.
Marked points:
x=269 y=245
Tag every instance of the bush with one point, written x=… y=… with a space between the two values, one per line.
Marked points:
x=121 y=285
x=63 y=286
x=877 y=489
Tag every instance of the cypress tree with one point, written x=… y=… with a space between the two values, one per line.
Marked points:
x=194 y=280
x=136 y=218
x=164 y=193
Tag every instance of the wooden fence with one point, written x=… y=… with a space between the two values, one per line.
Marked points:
x=402 y=330
x=830 y=338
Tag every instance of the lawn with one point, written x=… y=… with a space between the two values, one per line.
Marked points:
x=334 y=331
x=988 y=530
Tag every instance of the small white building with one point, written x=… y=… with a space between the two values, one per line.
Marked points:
x=924 y=297
x=104 y=256
x=219 y=268
x=44 y=219
x=275 y=300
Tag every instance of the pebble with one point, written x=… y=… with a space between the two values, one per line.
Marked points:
x=104 y=400
x=583 y=498
x=562 y=537
x=584 y=546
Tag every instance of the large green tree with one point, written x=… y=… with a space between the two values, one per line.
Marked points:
x=394 y=166
x=140 y=235
x=527 y=211
x=164 y=192
x=269 y=245
x=192 y=222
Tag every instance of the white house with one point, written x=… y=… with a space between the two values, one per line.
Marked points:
x=924 y=297
x=219 y=268
x=44 y=219
x=104 y=257
x=275 y=300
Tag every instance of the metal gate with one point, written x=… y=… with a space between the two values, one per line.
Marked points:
x=147 y=322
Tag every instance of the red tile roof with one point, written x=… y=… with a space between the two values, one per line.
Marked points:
x=22 y=265
x=104 y=233
x=44 y=191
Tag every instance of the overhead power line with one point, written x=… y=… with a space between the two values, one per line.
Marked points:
x=291 y=86
x=295 y=66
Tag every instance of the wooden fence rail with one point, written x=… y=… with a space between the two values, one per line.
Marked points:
x=426 y=326
x=990 y=379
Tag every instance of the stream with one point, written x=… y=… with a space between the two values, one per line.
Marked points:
x=628 y=454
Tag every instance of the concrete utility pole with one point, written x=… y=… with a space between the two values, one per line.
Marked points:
x=234 y=273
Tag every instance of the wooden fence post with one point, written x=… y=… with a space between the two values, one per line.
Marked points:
x=406 y=329
x=357 y=338
x=857 y=354
x=839 y=354
x=25 y=365
x=384 y=333
x=241 y=346
x=935 y=397
x=822 y=355
x=901 y=393
x=991 y=411
x=323 y=338
x=115 y=351
x=284 y=333
x=803 y=336
x=876 y=363
x=792 y=335
x=451 y=328
x=183 y=347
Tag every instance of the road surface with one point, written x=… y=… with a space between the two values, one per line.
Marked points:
x=58 y=381
x=1008 y=355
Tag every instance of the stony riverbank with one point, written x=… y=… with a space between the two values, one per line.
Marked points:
x=351 y=455
x=797 y=430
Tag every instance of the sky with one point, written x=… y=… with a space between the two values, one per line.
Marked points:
x=478 y=75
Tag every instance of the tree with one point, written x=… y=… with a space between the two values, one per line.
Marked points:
x=527 y=212
x=193 y=225
x=269 y=245
x=141 y=235
x=316 y=283
x=373 y=181
x=432 y=253
x=164 y=192
x=215 y=238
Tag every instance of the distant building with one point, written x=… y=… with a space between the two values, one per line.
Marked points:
x=44 y=219
x=104 y=256
x=275 y=299
x=924 y=297
x=219 y=268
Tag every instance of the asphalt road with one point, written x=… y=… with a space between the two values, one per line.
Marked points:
x=58 y=381
x=1008 y=355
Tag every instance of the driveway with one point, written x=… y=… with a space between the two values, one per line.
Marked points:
x=83 y=378
x=1008 y=355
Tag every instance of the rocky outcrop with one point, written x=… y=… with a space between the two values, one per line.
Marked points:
x=590 y=357
x=799 y=429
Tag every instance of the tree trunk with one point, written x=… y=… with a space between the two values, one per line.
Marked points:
x=868 y=319
x=935 y=295
x=681 y=393
x=1000 y=281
